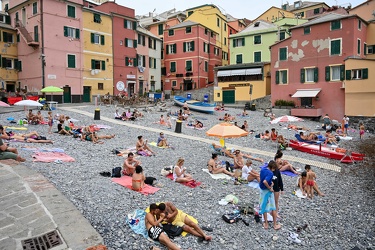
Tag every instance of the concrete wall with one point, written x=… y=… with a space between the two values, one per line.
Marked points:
x=198 y=94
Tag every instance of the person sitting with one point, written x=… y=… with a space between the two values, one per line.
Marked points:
x=138 y=179
x=198 y=124
x=180 y=117
x=330 y=138
x=142 y=148
x=215 y=168
x=248 y=173
x=30 y=116
x=179 y=218
x=301 y=183
x=39 y=117
x=273 y=134
x=225 y=118
x=154 y=231
x=118 y=115
x=61 y=130
x=129 y=165
x=272 y=117
x=245 y=126
x=137 y=113
x=238 y=159
x=312 y=136
x=222 y=150
x=9 y=153
x=161 y=120
x=283 y=165
x=129 y=115
x=222 y=108
x=179 y=172
x=162 y=141
x=326 y=122
x=186 y=108
x=168 y=122
x=312 y=176
x=282 y=141
x=244 y=113
x=266 y=136
x=230 y=118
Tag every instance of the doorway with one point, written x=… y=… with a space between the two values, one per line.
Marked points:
x=86 y=94
x=67 y=94
x=229 y=96
x=130 y=89
x=24 y=16
x=140 y=88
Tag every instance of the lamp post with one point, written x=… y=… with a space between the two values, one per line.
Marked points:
x=251 y=91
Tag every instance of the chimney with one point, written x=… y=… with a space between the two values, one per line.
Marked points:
x=150 y=14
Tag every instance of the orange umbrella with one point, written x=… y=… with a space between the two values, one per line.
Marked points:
x=226 y=130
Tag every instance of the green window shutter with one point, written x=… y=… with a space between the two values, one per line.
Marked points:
x=92 y=64
x=167 y=49
x=0 y=62
x=208 y=48
x=71 y=61
x=154 y=63
x=77 y=33
x=277 y=77
x=126 y=61
x=135 y=43
x=134 y=25
x=135 y=61
x=189 y=65
x=316 y=74
x=365 y=49
x=125 y=23
x=7 y=20
x=5 y=37
x=348 y=74
x=243 y=41
x=234 y=43
x=257 y=56
x=15 y=64
x=192 y=45
x=335 y=47
x=36 y=34
x=328 y=73
x=302 y=79
x=365 y=73
x=150 y=42
x=65 y=31
x=3 y=62
x=282 y=54
x=342 y=72
x=154 y=43
x=144 y=61
x=18 y=38
x=19 y=65
x=149 y=62
x=143 y=40
x=238 y=59
x=102 y=40
x=285 y=77
x=92 y=38
x=126 y=42
x=160 y=29
x=173 y=66
x=184 y=49
x=175 y=48
x=103 y=65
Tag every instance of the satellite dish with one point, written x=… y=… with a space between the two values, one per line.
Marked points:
x=92 y=72
x=96 y=71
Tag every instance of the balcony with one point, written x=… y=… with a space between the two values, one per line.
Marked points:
x=306 y=112
x=188 y=74
x=25 y=34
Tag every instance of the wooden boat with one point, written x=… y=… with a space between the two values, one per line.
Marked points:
x=340 y=154
x=195 y=105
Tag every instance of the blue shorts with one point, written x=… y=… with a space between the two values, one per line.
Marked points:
x=346 y=125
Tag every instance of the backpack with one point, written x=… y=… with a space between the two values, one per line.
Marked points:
x=116 y=172
x=172 y=230
x=231 y=218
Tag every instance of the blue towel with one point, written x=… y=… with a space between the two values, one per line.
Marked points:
x=10 y=119
x=289 y=173
x=140 y=227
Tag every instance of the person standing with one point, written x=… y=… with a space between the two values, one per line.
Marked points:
x=345 y=121
x=278 y=187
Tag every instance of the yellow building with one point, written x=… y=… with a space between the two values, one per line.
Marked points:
x=211 y=17
x=8 y=56
x=97 y=52
x=274 y=14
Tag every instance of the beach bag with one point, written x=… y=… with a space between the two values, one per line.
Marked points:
x=172 y=230
x=166 y=171
x=231 y=218
x=116 y=172
x=150 y=180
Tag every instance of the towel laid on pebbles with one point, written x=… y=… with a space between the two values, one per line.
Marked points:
x=191 y=184
x=192 y=127
x=136 y=222
x=52 y=157
x=126 y=181
x=154 y=144
x=254 y=184
x=59 y=150
x=288 y=173
x=217 y=176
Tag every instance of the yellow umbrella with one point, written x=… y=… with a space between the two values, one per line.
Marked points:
x=226 y=130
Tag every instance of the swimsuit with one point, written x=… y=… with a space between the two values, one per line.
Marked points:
x=154 y=232
x=310 y=183
x=140 y=188
x=124 y=172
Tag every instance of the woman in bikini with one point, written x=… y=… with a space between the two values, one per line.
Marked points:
x=138 y=179
x=214 y=168
x=179 y=174
x=283 y=165
x=161 y=120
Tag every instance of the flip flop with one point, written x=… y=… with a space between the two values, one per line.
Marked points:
x=208 y=229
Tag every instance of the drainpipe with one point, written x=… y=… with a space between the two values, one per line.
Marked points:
x=199 y=65
x=42 y=40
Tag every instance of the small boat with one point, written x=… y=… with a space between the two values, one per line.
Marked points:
x=195 y=105
x=340 y=154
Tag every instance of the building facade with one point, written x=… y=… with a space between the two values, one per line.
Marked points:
x=306 y=9
x=273 y=14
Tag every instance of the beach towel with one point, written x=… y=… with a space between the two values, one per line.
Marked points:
x=192 y=127
x=51 y=157
x=101 y=126
x=154 y=144
x=346 y=138
x=126 y=181
x=288 y=173
x=299 y=194
x=217 y=176
x=58 y=150
x=16 y=128
x=254 y=184
x=136 y=222
x=191 y=184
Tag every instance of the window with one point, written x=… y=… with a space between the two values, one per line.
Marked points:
x=173 y=67
x=316 y=11
x=336 y=25
x=239 y=42
x=188 y=29
x=72 y=61
x=335 y=47
x=358 y=46
x=225 y=41
x=171 y=49
x=189 y=65
x=36 y=34
x=17 y=18
x=306 y=30
x=301 y=14
x=151 y=43
x=71 y=11
x=174 y=83
x=212 y=34
x=160 y=29
x=258 y=56
x=335 y=73
x=225 y=27
x=297 y=4
x=131 y=62
x=170 y=32
x=239 y=59
x=282 y=35
x=97 y=18
x=190 y=13
x=100 y=86
x=257 y=39
x=284 y=6
x=281 y=76
x=152 y=62
x=216 y=51
x=152 y=83
x=309 y=75
x=205 y=66
x=7 y=37
x=71 y=32
x=2 y=19
x=7 y=63
x=359 y=24
x=283 y=54
x=306 y=101
x=97 y=64
x=97 y=39
x=224 y=55
x=17 y=65
x=188 y=46
x=370 y=49
x=141 y=60
x=35 y=8
x=205 y=31
x=131 y=25
x=218 y=22
x=18 y=38
x=141 y=40
x=206 y=47
x=357 y=74
x=130 y=43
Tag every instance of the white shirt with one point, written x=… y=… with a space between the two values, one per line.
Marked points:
x=175 y=175
x=245 y=171
x=346 y=120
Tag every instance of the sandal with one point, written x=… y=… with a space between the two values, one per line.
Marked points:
x=208 y=229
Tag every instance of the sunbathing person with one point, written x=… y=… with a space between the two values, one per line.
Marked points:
x=230 y=118
x=129 y=165
x=142 y=147
x=266 y=136
x=222 y=150
x=61 y=130
x=154 y=231
x=179 y=218
x=283 y=165
x=215 y=168
x=162 y=141
x=248 y=173
x=274 y=134
x=282 y=141
x=245 y=126
x=138 y=179
x=312 y=136
x=95 y=138
x=238 y=159
x=297 y=128
x=244 y=113
x=179 y=172
x=330 y=138
x=10 y=135
x=198 y=124
x=8 y=153
x=225 y=118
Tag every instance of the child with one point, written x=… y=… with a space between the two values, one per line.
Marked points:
x=50 y=122
x=168 y=122
x=273 y=134
x=161 y=121
x=361 y=131
x=310 y=181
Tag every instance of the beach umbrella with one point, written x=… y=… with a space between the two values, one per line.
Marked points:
x=29 y=103
x=51 y=89
x=286 y=118
x=226 y=130
x=3 y=104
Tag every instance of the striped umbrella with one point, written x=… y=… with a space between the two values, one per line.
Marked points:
x=286 y=118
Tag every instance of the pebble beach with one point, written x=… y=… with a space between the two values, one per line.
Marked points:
x=342 y=219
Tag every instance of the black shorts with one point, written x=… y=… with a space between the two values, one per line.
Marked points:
x=185 y=108
x=154 y=232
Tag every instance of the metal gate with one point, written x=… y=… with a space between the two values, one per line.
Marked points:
x=229 y=96
x=86 y=94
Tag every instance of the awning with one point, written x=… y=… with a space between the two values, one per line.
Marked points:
x=223 y=73
x=255 y=71
x=306 y=93
x=240 y=72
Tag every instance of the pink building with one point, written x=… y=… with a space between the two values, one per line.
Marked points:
x=124 y=36
x=190 y=56
x=50 y=45
x=309 y=67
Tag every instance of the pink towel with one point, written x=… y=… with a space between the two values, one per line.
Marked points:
x=126 y=181
x=51 y=157
x=191 y=184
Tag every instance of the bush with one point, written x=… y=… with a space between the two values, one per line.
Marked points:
x=284 y=103
x=158 y=91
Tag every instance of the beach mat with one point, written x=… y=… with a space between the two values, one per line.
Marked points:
x=139 y=227
x=154 y=144
x=253 y=184
x=217 y=176
x=192 y=127
x=191 y=184
x=34 y=149
x=126 y=181
x=16 y=128
x=51 y=157
x=288 y=173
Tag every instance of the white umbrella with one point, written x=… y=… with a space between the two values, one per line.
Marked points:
x=29 y=103
x=286 y=118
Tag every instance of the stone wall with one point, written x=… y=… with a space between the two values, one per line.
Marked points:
x=198 y=94
x=368 y=122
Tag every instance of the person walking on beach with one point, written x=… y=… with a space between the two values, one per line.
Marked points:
x=361 y=131
x=50 y=122
x=345 y=121
x=278 y=187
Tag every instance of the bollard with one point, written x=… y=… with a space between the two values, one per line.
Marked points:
x=253 y=107
x=178 y=126
x=97 y=114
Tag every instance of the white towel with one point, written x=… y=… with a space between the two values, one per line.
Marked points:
x=217 y=176
x=299 y=194
x=254 y=184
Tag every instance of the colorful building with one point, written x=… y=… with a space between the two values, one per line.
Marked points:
x=9 y=63
x=273 y=14
x=309 y=67
x=365 y=10
x=45 y=27
x=191 y=53
x=97 y=69
x=306 y=9
x=125 y=63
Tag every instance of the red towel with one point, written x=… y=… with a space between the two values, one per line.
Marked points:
x=126 y=181
x=192 y=184
x=51 y=157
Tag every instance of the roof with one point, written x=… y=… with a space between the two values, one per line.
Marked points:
x=304 y=4
x=162 y=17
x=272 y=7
x=96 y=11
x=326 y=18
x=361 y=4
x=242 y=66
x=358 y=58
x=146 y=32
x=184 y=24
x=6 y=26
x=264 y=27
x=203 y=5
